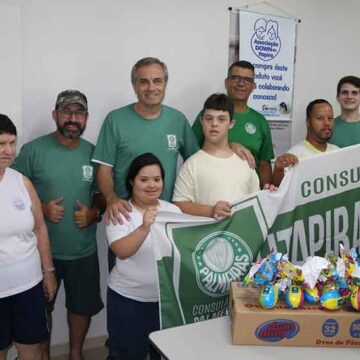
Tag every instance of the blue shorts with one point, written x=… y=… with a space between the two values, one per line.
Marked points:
x=23 y=318
x=129 y=323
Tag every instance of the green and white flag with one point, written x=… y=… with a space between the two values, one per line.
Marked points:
x=316 y=208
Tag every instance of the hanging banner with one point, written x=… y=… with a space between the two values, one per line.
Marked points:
x=316 y=208
x=268 y=42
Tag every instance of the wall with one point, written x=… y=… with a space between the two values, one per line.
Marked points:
x=10 y=60
x=92 y=44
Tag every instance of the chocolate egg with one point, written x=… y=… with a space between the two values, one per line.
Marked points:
x=331 y=300
x=268 y=296
x=355 y=297
x=294 y=296
x=312 y=296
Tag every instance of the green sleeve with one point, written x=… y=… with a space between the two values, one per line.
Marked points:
x=94 y=186
x=105 y=150
x=267 y=150
x=23 y=162
x=190 y=144
x=197 y=129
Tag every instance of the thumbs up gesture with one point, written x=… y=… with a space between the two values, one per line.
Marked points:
x=84 y=216
x=53 y=210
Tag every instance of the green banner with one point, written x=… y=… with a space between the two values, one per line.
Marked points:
x=316 y=208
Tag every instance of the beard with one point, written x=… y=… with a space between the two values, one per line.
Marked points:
x=70 y=134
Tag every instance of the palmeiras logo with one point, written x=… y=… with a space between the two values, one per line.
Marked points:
x=219 y=258
x=265 y=42
x=250 y=128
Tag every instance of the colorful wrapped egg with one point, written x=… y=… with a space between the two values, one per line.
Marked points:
x=331 y=300
x=312 y=296
x=355 y=297
x=265 y=273
x=268 y=296
x=294 y=296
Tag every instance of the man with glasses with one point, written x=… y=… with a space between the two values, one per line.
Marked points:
x=59 y=165
x=251 y=129
x=347 y=125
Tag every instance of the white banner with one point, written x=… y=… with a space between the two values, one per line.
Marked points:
x=316 y=208
x=268 y=42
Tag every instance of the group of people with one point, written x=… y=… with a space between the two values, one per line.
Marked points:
x=60 y=185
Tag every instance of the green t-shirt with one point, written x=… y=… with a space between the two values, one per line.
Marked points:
x=57 y=171
x=125 y=135
x=345 y=133
x=251 y=130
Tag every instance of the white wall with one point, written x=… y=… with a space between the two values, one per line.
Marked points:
x=10 y=60
x=92 y=44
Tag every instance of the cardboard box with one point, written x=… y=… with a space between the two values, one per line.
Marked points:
x=281 y=326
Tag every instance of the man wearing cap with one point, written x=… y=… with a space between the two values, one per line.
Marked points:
x=59 y=165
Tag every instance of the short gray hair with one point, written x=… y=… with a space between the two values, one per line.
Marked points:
x=145 y=62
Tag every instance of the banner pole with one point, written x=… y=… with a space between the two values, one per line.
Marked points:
x=247 y=6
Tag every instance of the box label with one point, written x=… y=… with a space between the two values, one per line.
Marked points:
x=330 y=328
x=276 y=330
x=355 y=329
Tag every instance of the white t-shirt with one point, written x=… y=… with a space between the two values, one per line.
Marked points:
x=136 y=276
x=20 y=266
x=206 y=179
x=305 y=150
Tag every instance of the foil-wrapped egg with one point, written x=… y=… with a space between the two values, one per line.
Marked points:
x=268 y=296
x=294 y=296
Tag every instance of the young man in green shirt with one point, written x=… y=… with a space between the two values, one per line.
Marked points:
x=251 y=129
x=347 y=125
x=59 y=165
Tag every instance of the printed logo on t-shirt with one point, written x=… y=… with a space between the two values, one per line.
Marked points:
x=250 y=128
x=19 y=204
x=171 y=142
x=88 y=173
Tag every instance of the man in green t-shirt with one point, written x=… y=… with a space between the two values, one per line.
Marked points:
x=59 y=165
x=347 y=125
x=251 y=129
x=145 y=126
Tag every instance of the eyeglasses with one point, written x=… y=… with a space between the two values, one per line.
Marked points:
x=239 y=78
x=67 y=114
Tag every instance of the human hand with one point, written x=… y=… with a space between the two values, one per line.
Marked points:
x=53 y=211
x=49 y=285
x=84 y=216
x=115 y=209
x=243 y=153
x=149 y=217
x=270 y=187
x=286 y=160
x=221 y=209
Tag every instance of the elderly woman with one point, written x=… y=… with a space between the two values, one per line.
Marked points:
x=26 y=269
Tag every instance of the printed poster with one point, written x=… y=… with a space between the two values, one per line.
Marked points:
x=268 y=42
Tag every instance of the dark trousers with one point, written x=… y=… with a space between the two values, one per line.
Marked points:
x=129 y=323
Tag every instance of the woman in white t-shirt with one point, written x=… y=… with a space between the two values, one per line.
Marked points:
x=132 y=301
x=26 y=267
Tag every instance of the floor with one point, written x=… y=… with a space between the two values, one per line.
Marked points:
x=98 y=353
